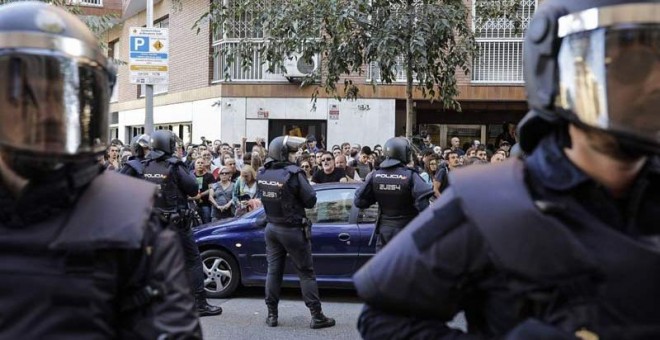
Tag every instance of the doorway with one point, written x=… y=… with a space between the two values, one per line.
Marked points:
x=299 y=128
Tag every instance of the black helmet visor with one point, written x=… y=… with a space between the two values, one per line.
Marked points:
x=609 y=70
x=52 y=104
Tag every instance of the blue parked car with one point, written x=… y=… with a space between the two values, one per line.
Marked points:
x=234 y=251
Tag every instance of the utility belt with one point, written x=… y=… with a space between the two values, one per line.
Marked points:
x=305 y=224
x=177 y=218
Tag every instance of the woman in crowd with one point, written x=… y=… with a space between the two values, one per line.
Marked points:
x=256 y=161
x=220 y=195
x=191 y=158
x=245 y=191
x=430 y=169
x=307 y=168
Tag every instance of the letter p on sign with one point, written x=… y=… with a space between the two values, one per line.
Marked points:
x=139 y=44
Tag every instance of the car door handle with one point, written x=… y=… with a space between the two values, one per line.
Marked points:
x=344 y=237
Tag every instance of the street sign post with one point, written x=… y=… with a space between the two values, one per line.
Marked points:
x=148 y=58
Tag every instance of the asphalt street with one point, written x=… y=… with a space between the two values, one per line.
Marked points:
x=244 y=317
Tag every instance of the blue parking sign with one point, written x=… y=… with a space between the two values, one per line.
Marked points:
x=148 y=56
x=139 y=44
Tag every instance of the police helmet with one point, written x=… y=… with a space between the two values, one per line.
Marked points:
x=163 y=143
x=594 y=63
x=397 y=150
x=55 y=88
x=280 y=147
x=140 y=145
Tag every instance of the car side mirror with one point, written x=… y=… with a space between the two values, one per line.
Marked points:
x=261 y=221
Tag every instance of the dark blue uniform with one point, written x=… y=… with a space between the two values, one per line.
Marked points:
x=91 y=262
x=134 y=167
x=285 y=193
x=175 y=184
x=401 y=194
x=566 y=256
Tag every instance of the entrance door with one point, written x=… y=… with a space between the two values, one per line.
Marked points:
x=298 y=127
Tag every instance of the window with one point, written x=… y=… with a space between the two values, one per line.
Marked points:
x=398 y=69
x=332 y=206
x=163 y=22
x=113 y=54
x=244 y=26
x=114 y=134
x=369 y=215
x=183 y=130
x=499 y=59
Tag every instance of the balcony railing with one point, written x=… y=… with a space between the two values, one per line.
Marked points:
x=498 y=61
x=87 y=3
x=256 y=72
x=373 y=72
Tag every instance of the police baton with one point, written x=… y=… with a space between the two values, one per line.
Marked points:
x=376 y=228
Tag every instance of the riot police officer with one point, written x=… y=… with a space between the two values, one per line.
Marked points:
x=83 y=255
x=560 y=245
x=400 y=191
x=285 y=193
x=176 y=184
x=139 y=147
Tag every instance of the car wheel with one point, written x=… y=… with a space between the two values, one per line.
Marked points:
x=222 y=274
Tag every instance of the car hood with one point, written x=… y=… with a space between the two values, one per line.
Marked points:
x=228 y=225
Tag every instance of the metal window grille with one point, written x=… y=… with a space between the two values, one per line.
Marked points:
x=373 y=71
x=399 y=70
x=90 y=3
x=241 y=26
x=499 y=59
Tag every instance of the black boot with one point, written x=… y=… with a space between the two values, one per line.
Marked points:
x=321 y=321
x=204 y=308
x=271 y=320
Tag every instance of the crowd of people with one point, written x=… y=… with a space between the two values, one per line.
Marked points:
x=559 y=244
x=226 y=173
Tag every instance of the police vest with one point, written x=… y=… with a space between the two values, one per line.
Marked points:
x=393 y=191
x=558 y=267
x=71 y=263
x=163 y=174
x=279 y=201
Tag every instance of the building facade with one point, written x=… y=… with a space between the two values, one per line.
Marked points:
x=198 y=101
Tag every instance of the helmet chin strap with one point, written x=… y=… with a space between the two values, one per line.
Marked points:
x=20 y=169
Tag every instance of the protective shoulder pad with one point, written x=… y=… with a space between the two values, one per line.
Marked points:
x=524 y=241
x=111 y=213
x=136 y=165
x=175 y=161
x=293 y=169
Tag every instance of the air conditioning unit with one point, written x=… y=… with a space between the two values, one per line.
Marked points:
x=296 y=67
